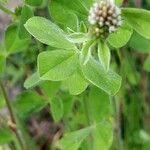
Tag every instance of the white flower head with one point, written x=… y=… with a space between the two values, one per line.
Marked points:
x=112 y=2
x=105 y=15
x=112 y=29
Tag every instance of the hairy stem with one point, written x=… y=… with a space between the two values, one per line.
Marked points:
x=7 y=102
x=12 y=116
x=6 y=10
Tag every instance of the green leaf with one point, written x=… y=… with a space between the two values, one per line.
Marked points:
x=73 y=140
x=129 y=71
x=32 y=81
x=13 y=43
x=28 y=103
x=61 y=14
x=2 y=63
x=121 y=36
x=56 y=107
x=147 y=64
x=68 y=103
x=99 y=105
x=138 y=19
x=79 y=7
x=34 y=2
x=50 y=88
x=26 y=13
x=108 y=81
x=139 y=43
x=76 y=83
x=48 y=33
x=57 y=65
x=5 y=135
x=103 y=136
x=2 y=58
x=83 y=27
x=78 y=37
x=118 y=2
x=86 y=51
x=104 y=54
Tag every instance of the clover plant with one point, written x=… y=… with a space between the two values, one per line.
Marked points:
x=68 y=54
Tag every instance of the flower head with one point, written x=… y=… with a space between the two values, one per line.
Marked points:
x=105 y=16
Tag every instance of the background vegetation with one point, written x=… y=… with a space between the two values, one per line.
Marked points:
x=48 y=116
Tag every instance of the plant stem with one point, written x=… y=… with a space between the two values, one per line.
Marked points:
x=13 y=120
x=19 y=140
x=7 y=102
x=117 y=116
x=6 y=10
